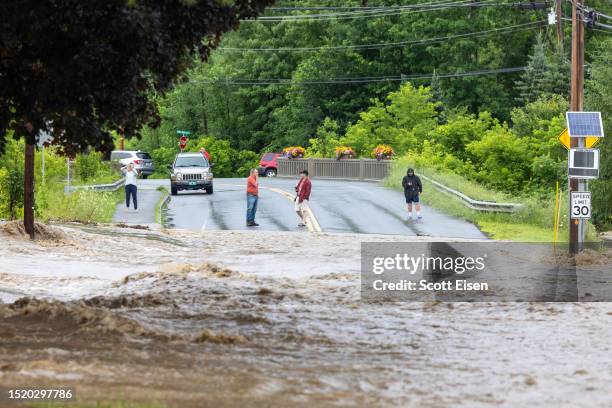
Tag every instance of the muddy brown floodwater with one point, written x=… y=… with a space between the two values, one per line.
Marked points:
x=232 y=319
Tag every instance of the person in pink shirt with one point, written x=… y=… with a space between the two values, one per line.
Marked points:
x=302 y=189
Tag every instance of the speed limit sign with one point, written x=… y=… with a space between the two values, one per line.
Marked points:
x=581 y=205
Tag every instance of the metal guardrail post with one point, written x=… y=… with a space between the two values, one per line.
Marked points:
x=361 y=169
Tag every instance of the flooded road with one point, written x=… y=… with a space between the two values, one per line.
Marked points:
x=227 y=319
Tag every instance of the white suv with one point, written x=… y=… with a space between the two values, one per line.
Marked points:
x=142 y=161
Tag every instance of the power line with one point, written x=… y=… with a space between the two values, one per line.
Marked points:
x=355 y=80
x=352 y=8
x=373 y=11
x=600 y=14
x=377 y=14
x=601 y=25
x=509 y=29
x=603 y=31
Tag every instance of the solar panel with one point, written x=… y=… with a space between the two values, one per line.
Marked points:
x=583 y=124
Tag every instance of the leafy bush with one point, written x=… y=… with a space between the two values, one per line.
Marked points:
x=245 y=161
x=55 y=166
x=221 y=154
x=501 y=159
x=11 y=181
x=162 y=158
x=11 y=193
x=87 y=165
x=228 y=162
x=460 y=130
x=326 y=141
x=407 y=117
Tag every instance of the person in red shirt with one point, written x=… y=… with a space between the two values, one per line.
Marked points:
x=303 y=195
x=252 y=198
x=205 y=153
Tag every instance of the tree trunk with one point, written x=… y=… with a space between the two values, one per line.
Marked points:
x=28 y=190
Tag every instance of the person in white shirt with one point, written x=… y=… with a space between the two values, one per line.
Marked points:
x=130 y=186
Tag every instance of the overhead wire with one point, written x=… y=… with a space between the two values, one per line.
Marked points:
x=508 y=29
x=379 y=10
x=315 y=8
x=355 y=80
x=379 y=13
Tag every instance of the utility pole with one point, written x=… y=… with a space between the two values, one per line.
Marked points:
x=577 y=227
x=560 y=24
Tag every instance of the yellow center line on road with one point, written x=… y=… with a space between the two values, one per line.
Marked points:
x=312 y=224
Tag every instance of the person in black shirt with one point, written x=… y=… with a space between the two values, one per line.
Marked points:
x=412 y=188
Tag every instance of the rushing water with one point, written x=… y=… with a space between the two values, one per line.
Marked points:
x=193 y=334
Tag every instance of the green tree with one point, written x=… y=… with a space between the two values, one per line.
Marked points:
x=599 y=98
x=326 y=140
x=437 y=97
x=460 y=130
x=501 y=159
x=402 y=122
x=557 y=76
x=11 y=180
x=86 y=69
x=533 y=82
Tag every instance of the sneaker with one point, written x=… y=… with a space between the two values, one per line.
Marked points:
x=254 y=224
x=136 y=210
x=301 y=224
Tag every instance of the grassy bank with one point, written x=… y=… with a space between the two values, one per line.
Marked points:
x=533 y=223
x=83 y=206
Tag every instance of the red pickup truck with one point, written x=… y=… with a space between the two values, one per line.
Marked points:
x=267 y=164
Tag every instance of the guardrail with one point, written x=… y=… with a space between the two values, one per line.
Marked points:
x=469 y=202
x=163 y=206
x=352 y=169
x=97 y=187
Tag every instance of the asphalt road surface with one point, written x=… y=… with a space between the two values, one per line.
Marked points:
x=148 y=197
x=338 y=206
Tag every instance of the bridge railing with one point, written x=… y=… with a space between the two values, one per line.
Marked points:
x=355 y=169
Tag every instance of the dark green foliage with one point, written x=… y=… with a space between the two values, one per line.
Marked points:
x=547 y=73
x=532 y=83
x=273 y=116
x=438 y=97
x=88 y=165
x=11 y=181
x=85 y=69
x=599 y=98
